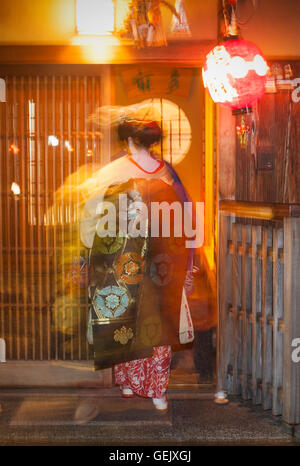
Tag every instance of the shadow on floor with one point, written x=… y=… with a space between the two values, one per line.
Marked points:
x=47 y=418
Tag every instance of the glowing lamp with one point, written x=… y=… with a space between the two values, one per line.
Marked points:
x=15 y=188
x=234 y=74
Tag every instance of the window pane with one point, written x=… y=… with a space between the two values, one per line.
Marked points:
x=95 y=16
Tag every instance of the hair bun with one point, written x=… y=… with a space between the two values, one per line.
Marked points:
x=144 y=133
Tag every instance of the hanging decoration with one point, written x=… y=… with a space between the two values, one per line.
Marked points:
x=242 y=132
x=180 y=26
x=144 y=24
x=235 y=71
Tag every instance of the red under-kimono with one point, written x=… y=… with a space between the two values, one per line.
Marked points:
x=146 y=377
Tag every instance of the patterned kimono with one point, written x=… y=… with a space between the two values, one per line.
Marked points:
x=135 y=283
x=146 y=377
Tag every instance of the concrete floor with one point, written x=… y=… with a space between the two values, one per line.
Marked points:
x=38 y=417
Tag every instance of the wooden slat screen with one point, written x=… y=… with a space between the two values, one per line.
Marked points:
x=258 y=308
x=39 y=318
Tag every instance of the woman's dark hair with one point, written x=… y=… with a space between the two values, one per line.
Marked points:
x=143 y=134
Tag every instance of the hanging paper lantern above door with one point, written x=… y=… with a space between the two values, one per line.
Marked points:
x=234 y=74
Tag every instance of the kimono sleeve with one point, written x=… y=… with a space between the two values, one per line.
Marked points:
x=89 y=220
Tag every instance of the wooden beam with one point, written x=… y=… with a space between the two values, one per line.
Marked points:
x=271 y=211
x=190 y=54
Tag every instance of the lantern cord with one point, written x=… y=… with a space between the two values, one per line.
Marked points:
x=229 y=12
x=226 y=15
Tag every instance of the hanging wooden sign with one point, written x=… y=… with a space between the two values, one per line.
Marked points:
x=145 y=82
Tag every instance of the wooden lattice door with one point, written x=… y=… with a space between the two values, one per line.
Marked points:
x=48 y=146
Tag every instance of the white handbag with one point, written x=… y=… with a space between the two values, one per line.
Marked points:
x=186 y=328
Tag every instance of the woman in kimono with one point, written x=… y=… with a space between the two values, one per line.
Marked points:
x=137 y=268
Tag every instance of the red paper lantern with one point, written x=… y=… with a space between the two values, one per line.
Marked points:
x=235 y=73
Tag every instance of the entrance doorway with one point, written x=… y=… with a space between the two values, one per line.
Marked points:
x=49 y=145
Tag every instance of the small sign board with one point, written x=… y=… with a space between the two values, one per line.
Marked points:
x=2 y=90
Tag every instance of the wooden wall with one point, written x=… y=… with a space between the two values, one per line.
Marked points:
x=268 y=168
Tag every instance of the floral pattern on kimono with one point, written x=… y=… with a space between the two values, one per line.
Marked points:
x=146 y=377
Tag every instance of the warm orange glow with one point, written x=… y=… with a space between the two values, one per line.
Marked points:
x=14 y=149
x=176 y=129
x=97 y=49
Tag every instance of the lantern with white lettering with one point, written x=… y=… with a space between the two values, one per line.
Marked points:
x=235 y=74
